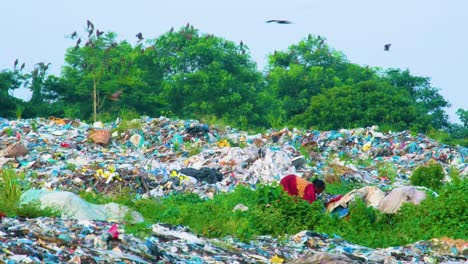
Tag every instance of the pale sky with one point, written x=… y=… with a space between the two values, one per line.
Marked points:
x=428 y=37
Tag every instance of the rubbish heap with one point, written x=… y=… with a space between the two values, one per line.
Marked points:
x=47 y=240
x=155 y=157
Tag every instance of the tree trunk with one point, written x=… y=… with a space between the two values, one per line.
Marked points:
x=94 y=100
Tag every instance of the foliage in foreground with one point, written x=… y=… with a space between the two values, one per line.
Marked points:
x=272 y=212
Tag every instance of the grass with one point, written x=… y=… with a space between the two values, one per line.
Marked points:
x=272 y=212
x=12 y=186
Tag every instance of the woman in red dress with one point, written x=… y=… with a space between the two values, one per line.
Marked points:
x=296 y=186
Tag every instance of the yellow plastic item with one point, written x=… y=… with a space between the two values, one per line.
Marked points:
x=276 y=259
x=366 y=146
x=223 y=143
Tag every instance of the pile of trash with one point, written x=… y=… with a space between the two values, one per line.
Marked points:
x=148 y=155
x=156 y=157
x=48 y=240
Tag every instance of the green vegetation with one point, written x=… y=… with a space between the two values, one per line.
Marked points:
x=387 y=169
x=273 y=212
x=12 y=186
x=429 y=175
x=191 y=75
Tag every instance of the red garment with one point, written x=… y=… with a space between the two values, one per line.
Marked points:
x=296 y=186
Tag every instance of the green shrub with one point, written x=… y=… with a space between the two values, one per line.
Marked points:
x=387 y=169
x=429 y=175
x=12 y=185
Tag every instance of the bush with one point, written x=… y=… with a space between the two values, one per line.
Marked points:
x=12 y=185
x=429 y=175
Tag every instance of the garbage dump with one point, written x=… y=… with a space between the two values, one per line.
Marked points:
x=156 y=157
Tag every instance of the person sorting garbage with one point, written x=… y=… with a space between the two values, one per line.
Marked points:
x=297 y=186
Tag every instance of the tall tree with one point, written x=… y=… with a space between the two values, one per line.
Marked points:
x=96 y=71
x=360 y=105
x=307 y=69
x=204 y=75
x=429 y=102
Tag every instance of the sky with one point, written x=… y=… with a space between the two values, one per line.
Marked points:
x=428 y=37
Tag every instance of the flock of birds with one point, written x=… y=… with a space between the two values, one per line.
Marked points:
x=90 y=30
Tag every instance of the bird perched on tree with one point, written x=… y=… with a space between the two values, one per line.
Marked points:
x=99 y=33
x=73 y=35
x=387 y=47
x=43 y=66
x=89 y=24
x=90 y=32
x=115 y=96
x=171 y=30
x=16 y=63
x=88 y=43
x=22 y=66
x=78 y=43
x=279 y=21
x=139 y=36
x=241 y=44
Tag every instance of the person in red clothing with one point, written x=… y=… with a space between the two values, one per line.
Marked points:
x=296 y=186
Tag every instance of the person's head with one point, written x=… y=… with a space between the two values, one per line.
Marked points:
x=319 y=185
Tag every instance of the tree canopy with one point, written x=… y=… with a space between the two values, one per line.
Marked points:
x=189 y=74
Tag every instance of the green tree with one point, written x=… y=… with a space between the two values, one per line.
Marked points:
x=94 y=72
x=429 y=102
x=364 y=104
x=463 y=115
x=307 y=69
x=204 y=75
x=9 y=81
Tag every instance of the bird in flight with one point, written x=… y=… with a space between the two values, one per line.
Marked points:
x=279 y=21
x=139 y=36
x=387 y=47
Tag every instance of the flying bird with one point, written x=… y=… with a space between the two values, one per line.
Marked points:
x=279 y=21
x=387 y=47
x=15 y=64
x=115 y=96
x=139 y=36
x=22 y=66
